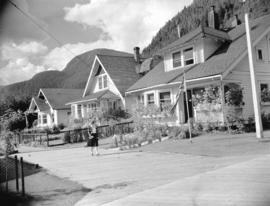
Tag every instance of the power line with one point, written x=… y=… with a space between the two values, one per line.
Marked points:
x=45 y=31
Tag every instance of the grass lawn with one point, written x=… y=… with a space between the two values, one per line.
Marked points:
x=217 y=145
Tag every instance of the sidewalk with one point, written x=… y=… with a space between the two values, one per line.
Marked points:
x=243 y=184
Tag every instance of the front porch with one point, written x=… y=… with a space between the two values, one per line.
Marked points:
x=104 y=101
x=212 y=101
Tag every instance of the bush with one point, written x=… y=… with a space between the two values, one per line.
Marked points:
x=55 y=129
x=6 y=143
x=67 y=137
x=61 y=126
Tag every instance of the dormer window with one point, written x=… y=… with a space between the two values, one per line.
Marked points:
x=102 y=81
x=177 y=60
x=188 y=56
x=184 y=57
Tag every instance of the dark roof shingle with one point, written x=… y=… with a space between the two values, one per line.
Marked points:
x=58 y=98
x=121 y=69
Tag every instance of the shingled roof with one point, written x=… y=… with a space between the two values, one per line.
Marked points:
x=121 y=69
x=57 y=98
x=216 y=64
x=228 y=53
x=106 y=94
x=41 y=104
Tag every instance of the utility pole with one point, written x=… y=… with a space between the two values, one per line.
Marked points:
x=254 y=87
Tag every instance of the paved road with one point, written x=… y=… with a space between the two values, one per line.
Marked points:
x=243 y=184
x=122 y=176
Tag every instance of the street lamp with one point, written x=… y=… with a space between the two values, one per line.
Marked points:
x=254 y=87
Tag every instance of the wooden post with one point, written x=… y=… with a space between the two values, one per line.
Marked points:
x=22 y=177
x=6 y=173
x=222 y=101
x=254 y=87
x=16 y=172
x=48 y=144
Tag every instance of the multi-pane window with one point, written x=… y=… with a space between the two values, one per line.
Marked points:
x=102 y=81
x=44 y=118
x=188 y=56
x=164 y=98
x=150 y=99
x=141 y=99
x=265 y=93
x=177 y=61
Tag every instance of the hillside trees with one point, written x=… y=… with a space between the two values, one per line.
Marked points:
x=196 y=14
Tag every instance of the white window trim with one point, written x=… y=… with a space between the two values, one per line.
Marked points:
x=257 y=54
x=101 y=76
x=182 y=57
x=163 y=91
x=268 y=85
x=146 y=97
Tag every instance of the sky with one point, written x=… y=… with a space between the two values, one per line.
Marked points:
x=78 y=26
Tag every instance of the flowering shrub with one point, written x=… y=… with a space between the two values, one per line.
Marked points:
x=208 y=95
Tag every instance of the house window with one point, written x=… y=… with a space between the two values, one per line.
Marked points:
x=100 y=82
x=73 y=110
x=264 y=87
x=188 y=56
x=164 y=98
x=150 y=99
x=265 y=93
x=52 y=118
x=94 y=106
x=39 y=119
x=79 y=110
x=44 y=118
x=177 y=61
x=105 y=81
x=259 y=54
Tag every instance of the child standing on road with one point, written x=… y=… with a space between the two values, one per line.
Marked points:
x=93 y=138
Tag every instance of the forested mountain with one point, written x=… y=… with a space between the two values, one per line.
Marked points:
x=74 y=75
x=196 y=14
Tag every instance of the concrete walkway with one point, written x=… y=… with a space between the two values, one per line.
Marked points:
x=118 y=178
x=244 y=184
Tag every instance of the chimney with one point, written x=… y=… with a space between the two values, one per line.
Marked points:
x=236 y=21
x=137 y=54
x=179 y=31
x=213 y=18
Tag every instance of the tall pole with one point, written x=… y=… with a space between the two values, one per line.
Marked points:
x=254 y=87
x=189 y=123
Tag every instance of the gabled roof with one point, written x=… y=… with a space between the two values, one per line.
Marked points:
x=199 y=32
x=217 y=64
x=156 y=77
x=57 y=98
x=229 y=53
x=121 y=69
x=105 y=94
x=41 y=104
